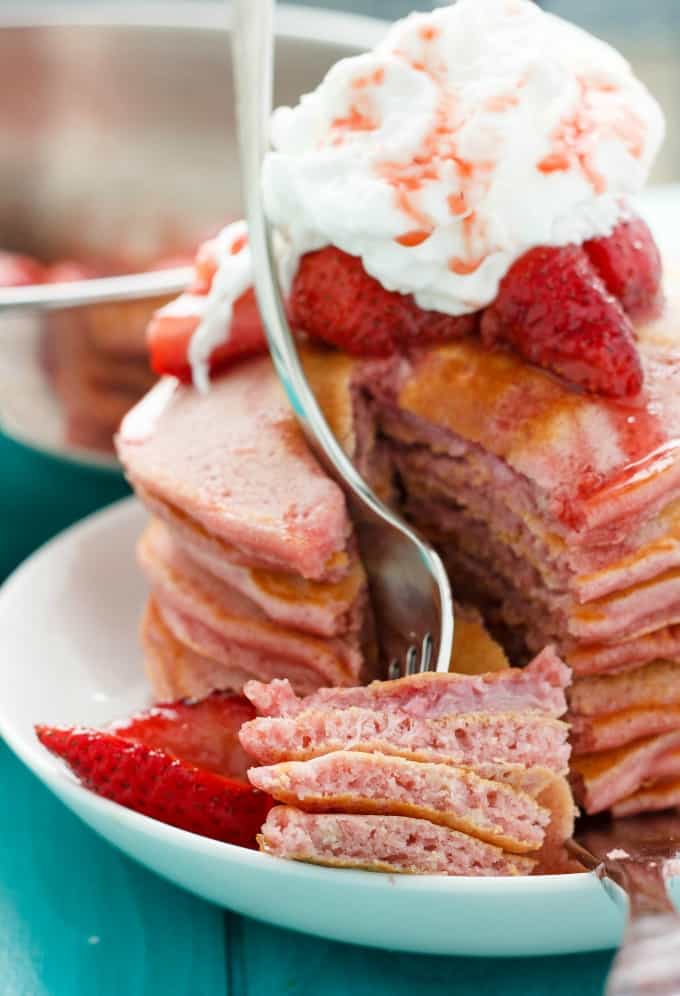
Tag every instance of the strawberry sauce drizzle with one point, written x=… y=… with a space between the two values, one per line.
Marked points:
x=355 y=120
x=440 y=146
x=362 y=114
x=574 y=135
x=414 y=238
x=464 y=267
x=238 y=244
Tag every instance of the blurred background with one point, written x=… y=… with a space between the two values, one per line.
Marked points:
x=118 y=157
x=646 y=31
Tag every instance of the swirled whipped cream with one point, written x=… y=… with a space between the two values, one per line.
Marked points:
x=467 y=137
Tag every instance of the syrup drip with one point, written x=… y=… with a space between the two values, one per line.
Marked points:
x=648 y=450
x=361 y=115
x=464 y=267
x=502 y=102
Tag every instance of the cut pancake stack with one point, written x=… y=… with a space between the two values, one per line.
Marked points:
x=250 y=554
x=446 y=774
x=558 y=514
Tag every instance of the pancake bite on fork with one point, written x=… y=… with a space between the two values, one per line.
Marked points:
x=472 y=767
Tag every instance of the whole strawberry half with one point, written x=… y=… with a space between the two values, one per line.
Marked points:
x=335 y=300
x=205 y=733
x=554 y=309
x=629 y=263
x=165 y=766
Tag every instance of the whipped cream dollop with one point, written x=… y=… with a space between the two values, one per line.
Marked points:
x=467 y=137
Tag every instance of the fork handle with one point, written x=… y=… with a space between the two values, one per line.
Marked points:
x=648 y=963
x=252 y=33
x=649 y=959
x=80 y=293
x=252 y=51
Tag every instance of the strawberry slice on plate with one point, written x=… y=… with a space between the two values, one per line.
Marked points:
x=629 y=263
x=555 y=310
x=203 y=733
x=334 y=299
x=169 y=335
x=165 y=766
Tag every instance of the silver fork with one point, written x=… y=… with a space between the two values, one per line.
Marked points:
x=409 y=588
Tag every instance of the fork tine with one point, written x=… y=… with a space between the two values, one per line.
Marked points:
x=393 y=670
x=426 y=654
x=411 y=661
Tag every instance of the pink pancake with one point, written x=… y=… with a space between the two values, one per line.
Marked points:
x=557 y=514
x=350 y=781
x=398 y=844
x=657 y=795
x=540 y=686
x=234 y=462
x=468 y=739
x=217 y=622
x=601 y=780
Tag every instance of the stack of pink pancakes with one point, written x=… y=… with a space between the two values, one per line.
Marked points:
x=558 y=515
x=250 y=554
x=440 y=774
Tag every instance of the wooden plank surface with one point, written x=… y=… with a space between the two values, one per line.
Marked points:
x=79 y=919
x=266 y=961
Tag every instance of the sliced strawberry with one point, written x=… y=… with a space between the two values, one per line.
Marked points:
x=203 y=733
x=168 y=337
x=556 y=312
x=629 y=263
x=335 y=300
x=159 y=785
x=20 y=271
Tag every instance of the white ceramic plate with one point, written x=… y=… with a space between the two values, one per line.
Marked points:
x=69 y=654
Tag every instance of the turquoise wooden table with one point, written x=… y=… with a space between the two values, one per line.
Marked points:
x=79 y=919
